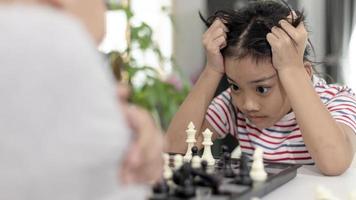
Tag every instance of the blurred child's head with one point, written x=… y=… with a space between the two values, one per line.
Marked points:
x=255 y=86
x=89 y=12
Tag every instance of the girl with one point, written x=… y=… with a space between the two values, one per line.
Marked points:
x=274 y=101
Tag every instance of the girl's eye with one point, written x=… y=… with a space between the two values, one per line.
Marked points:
x=234 y=87
x=262 y=90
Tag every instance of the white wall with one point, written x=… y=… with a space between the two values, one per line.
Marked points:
x=349 y=70
x=188 y=29
x=314 y=10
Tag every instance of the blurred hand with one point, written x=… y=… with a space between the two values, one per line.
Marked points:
x=143 y=162
x=124 y=92
x=214 y=39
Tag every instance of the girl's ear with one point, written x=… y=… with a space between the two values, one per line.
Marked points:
x=309 y=68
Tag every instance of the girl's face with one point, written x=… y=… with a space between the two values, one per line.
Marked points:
x=256 y=90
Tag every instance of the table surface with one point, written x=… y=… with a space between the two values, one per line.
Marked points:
x=308 y=178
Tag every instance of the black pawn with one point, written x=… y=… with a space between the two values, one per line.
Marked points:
x=228 y=171
x=204 y=166
x=244 y=175
x=182 y=174
x=198 y=179
x=194 y=151
x=244 y=169
x=224 y=149
x=160 y=190
x=221 y=162
x=186 y=188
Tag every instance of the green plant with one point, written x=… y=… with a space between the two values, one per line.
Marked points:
x=153 y=92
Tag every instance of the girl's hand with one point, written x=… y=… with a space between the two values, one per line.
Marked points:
x=288 y=45
x=214 y=39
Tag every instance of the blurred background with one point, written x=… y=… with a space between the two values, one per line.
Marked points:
x=156 y=45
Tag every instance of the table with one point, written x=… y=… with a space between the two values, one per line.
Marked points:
x=304 y=184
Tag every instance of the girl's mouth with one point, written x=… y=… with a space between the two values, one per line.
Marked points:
x=256 y=119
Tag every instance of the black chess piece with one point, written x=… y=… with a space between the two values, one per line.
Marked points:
x=187 y=190
x=184 y=172
x=203 y=178
x=244 y=169
x=224 y=149
x=194 y=151
x=197 y=178
x=204 y=166
x=243 y=177
x=228 y=171
x=183 y=178
x=160 y=190
x=221 y=161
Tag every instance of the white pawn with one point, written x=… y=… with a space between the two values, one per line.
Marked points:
x=196 y=162
x=258 y=173
x=255 y=198
x=323 y=194
x=167 y=171
x=236 y=153
x=178 y=161
x=190 y=140
x=207 y=155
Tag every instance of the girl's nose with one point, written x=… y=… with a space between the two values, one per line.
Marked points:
x=250 y=105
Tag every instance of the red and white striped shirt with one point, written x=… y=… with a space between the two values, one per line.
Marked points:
x=283 y=142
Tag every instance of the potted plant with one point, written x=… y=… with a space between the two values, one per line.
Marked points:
x=156 y=91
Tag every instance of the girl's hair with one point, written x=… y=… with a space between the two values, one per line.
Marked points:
x=249 y=26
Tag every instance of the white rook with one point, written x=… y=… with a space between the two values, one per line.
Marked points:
x=190 y=140
x=207 y=148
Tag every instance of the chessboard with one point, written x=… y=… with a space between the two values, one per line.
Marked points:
x=227 y=179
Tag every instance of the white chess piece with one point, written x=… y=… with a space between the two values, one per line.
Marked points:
x=258 y=173
x=196 y=162
x=190 y=140
x=236 y=153
x=207 y=155
x=178 y=161
x=167 y=171
x=255 y=198
x=322 y=193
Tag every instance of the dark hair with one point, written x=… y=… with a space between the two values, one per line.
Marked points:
x=249 y=26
